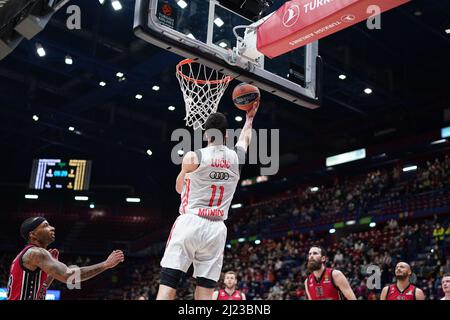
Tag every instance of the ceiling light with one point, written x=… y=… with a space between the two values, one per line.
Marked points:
x=236 y=206
x=171 y=108
x=68 y=60
x=102 y=83
x=81 y=198
x=332 y=231
x=410 y=168
x=31 y=196
x=238 y=118
x=35 y=118
x=314 y=189
x=116 y=5
x=342 y=77
x=372 y=225
x=155 y=88
x=182 y=4
x=92 y=206
x=447 y=31
x=257 y=241
x=439 y=141
x=40 y=50
x=119 y=74
x=139 y=96
x=368 y=91
x=134 y=200
x=71 y=128
x=219 y=22
x=149 y=152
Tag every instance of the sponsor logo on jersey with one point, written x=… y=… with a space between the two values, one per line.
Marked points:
x=220 y=163
x=206 y=212
x=219 y=175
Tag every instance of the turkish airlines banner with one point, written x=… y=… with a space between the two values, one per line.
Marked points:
x=300 y=22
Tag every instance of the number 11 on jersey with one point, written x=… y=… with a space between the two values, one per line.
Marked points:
x=213 y=195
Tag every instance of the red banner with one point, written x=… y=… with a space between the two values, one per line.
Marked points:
x=299 y=22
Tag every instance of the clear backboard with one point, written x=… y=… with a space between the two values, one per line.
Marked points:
x=203 y=30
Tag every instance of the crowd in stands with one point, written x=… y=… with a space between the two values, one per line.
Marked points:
x=275 y=269
x=343 y=199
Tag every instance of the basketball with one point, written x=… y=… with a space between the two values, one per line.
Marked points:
x=244 y=95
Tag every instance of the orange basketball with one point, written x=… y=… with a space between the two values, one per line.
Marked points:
x=244 y=95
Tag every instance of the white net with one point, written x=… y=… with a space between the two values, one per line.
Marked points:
x=202 y=89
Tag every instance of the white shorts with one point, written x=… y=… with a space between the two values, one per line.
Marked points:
x=197 y=240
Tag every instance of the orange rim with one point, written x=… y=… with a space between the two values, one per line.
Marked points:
x=189 y=61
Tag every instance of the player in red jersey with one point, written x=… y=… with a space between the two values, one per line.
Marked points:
x=230 y=292
x=325 y=283
x=35 y=267
x=402 y=289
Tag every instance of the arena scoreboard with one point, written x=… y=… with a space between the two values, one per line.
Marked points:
x=51 y=174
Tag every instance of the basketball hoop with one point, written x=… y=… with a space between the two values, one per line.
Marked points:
x=202 y=89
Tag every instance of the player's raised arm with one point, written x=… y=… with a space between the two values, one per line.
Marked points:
x=190 y=163
x=342 y=283
x=41 y=258
x=246 y=133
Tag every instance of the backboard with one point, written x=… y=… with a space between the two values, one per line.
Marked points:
x=203 y=30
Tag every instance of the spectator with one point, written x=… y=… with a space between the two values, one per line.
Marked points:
x=438 y=233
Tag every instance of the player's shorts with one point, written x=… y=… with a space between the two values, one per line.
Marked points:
x=197 y=240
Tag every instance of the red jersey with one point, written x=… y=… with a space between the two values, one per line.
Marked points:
x=24 y=284
x=223 y=295
x=324 y=287
x=394 y=293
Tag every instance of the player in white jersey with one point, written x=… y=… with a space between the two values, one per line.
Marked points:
x=446 y=286
x=207 y=183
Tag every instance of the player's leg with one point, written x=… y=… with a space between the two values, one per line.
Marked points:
x=169 y=280
x=208 y=260
x=204 y=289
x=177 y=258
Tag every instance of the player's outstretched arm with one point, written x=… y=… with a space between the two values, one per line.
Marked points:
x=419 y=294
x=41 y=258
x=190 y=163
x=342 y=283
x=55 y=255
x=215 y=295
x=246 y=133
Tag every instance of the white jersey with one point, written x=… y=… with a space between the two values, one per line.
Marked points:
x=209 y=190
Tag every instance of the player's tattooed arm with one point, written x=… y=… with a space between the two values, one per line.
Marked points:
x=42 y=259
x=342 y=283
